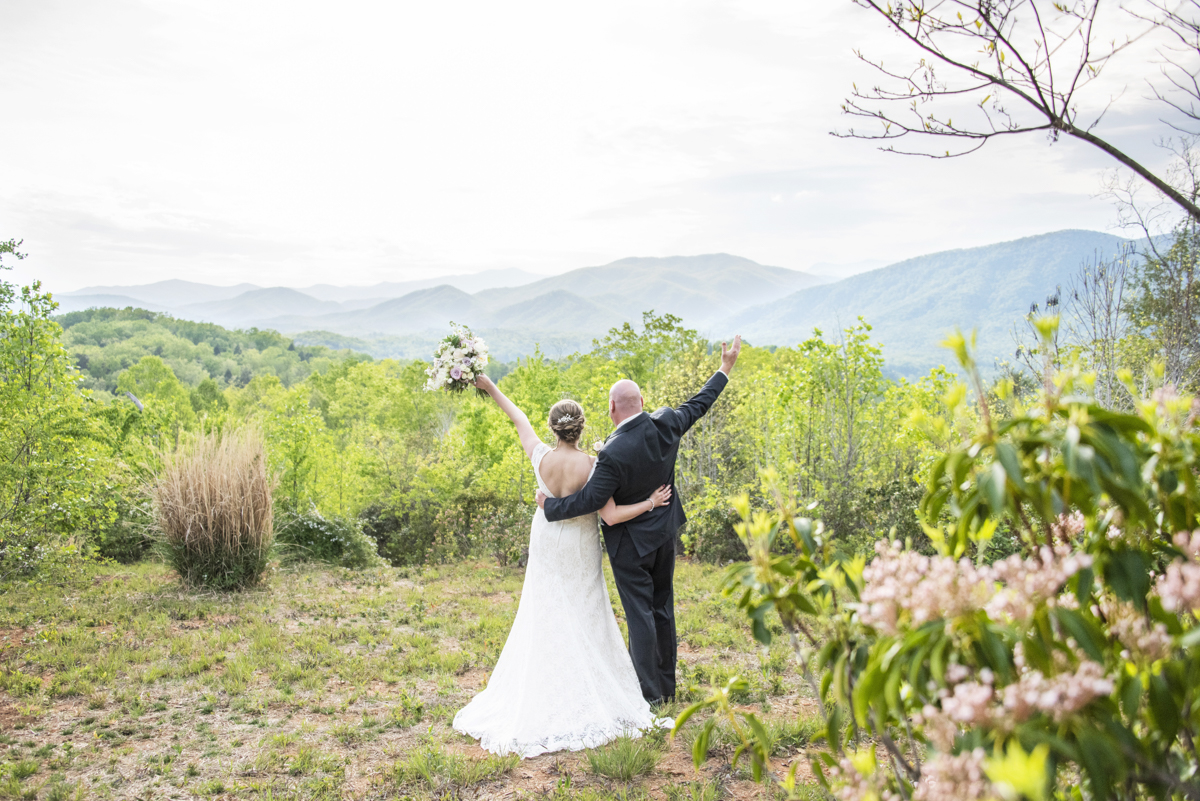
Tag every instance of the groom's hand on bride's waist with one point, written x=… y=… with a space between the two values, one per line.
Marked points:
x=541 y=499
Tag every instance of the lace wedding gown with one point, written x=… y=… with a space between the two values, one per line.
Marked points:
x=564 y=679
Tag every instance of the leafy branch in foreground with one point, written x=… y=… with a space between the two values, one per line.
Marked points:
x=1069 y=667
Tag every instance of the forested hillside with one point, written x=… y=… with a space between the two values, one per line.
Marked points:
x=105 y=342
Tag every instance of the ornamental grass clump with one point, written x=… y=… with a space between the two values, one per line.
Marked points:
x=213 y=509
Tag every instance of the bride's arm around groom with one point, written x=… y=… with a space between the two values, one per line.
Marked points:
x=632 y=446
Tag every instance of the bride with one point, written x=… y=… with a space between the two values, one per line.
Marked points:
x=564 y=679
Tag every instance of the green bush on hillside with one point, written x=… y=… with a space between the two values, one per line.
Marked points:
x=310 y=535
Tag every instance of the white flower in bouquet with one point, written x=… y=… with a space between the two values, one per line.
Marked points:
x=458 y=360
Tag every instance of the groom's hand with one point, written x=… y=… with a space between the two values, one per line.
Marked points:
x=729 y=356
x=541 y=499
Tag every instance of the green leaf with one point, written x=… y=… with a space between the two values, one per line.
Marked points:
x=937 y=662
x=683 y=716
x=1127 y=572
x=1089 y=638
x=833 y=728
x=1131 y=696
x=1191 y=639
x=869 y=685
x=1101 y=761
x=1163 y=707
x=1007 y=455
x=700 y=747
x=994 y=650
x=991 y=482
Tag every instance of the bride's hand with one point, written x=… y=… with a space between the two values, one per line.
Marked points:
x=661 y=496
x=484 y=383
x=541 y=499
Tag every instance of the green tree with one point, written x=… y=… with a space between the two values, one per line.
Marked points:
x=56 y=482
x=154 y=384
x=639 y=354
x=1166 y=307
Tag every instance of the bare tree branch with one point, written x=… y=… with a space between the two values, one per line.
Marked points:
x=1014 y=49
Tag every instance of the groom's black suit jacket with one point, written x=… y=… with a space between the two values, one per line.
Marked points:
x=637 y=459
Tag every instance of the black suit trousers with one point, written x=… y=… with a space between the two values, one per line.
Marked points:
x=648 y=597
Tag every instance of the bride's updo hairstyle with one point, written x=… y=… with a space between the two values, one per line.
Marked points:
x=566 y=420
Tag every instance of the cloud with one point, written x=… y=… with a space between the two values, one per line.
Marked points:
x=301 y=143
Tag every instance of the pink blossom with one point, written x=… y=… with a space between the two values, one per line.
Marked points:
x=854 y=786
x=939 y=728
x=1141 y=637
x=900 y=582
x=1188 y=543
x=956 y=673
x=1179 y=587
x=1163 y=396
x=1068 y=527
x=456 y=372
x=925 y=588
x=969 y=704
x=949 y=777
x=1031 y=582
x=1059 y=696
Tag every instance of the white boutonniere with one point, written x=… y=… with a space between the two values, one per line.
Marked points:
x=598 y=445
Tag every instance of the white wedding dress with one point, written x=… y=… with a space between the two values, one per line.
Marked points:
x=564 y=679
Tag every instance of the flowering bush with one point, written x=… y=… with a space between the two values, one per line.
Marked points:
x=1068 y=670
x=459 y=358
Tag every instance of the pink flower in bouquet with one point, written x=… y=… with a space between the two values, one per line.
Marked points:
x=456 y=372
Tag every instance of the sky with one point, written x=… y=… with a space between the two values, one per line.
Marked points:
x=293 y=143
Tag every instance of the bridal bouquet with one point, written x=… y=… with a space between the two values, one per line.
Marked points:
x=459 y=358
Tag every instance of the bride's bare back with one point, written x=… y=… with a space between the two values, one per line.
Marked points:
x=565 y=470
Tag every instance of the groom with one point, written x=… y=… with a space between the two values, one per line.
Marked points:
x=637 y=458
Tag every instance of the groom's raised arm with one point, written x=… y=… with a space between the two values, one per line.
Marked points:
x=699 y=404
x=600 y=487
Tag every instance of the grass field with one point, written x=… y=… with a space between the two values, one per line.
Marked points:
x=330 y=684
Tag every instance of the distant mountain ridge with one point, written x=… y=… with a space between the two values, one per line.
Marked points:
x=911 y=305
x=577 y=305
x=914 y=304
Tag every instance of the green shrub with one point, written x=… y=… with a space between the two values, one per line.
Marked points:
x=624 y=759
x=326 y=538
x=709 y=536
x=502 y=532
x=402 y=536
x=444 y=772
x=129 y=538
x=213 y=508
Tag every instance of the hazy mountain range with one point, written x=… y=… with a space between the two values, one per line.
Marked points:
x=911 y=304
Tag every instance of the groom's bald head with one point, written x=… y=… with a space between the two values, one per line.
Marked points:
x=624 y=400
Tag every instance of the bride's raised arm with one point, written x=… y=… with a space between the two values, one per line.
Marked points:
x=529 y=440
x=612 y=514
